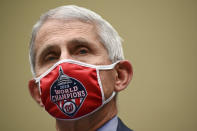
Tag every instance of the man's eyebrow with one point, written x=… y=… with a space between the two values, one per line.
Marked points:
x=79 y=41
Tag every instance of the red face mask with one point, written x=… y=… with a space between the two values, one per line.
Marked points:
x=71 y=89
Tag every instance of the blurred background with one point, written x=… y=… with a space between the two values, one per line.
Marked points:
x=160 y=39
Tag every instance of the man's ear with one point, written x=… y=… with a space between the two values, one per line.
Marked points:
x=124 y=74
x=35 y=93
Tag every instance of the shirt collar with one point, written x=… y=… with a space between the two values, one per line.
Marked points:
x=111 y=125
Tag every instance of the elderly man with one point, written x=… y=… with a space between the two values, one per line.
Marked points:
x=78 y=66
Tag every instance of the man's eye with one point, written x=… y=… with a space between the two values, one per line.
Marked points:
x=83 y=51
x=51 y=57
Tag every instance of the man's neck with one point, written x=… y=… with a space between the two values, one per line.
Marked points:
x=89 y=123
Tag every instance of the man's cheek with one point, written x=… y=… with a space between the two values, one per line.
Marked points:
x=108 y=81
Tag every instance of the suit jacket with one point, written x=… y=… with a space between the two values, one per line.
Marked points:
x=122 y=126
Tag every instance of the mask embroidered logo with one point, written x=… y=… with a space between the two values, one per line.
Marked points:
x=68 y=93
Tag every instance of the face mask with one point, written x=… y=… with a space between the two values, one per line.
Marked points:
x=71 y=89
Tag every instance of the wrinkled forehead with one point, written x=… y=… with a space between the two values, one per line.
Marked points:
x=50 y=27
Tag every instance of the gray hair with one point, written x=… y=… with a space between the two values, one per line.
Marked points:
x=108 y=36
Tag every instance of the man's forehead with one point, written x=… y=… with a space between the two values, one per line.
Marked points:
x=65 y=24
x=50 y=28
x=53 y=25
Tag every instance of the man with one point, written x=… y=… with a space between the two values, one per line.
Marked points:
x=78 y=66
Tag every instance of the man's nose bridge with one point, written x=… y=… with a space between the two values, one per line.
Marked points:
x=65 y=54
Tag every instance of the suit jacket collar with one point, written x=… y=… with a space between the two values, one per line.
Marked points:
x=122 y=126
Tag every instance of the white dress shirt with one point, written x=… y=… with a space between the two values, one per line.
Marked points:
x=111 y=125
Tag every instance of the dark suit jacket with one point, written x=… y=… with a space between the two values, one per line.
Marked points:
x=122 y=126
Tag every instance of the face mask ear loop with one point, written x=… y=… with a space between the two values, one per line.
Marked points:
x=100 y=85
x=107 y=67
x=37 y=80
x=39 y=88
x=110 y=98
